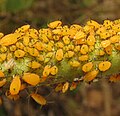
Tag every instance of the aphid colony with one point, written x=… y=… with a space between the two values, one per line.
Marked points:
x=58 y=54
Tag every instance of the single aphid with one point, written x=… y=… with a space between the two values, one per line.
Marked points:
x=87 y=67
x=90 y=75
x=59 y=54
x=109 y=49
x=90 y=40
x=105 y=43
x=19 y=53
x=59 y=87
x=75 y=63
x=34 y=64
x=73 y=85
x=31 y=78
x=12 y=48
x=66 y=40
x=65 y=87
x=38 y=98
x=84 y=57
x=46 y=71
x=9 y=39
x=84 y=49
x=93 y=23
x=104 y=65
x=54 y=24
x=15 y=85
x=54 y=70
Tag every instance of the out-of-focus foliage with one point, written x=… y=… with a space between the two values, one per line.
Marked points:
x=15 y=5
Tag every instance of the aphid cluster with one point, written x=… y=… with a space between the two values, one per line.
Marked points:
x=58 y=54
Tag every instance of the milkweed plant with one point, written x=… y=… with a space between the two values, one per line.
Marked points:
x=59 y=55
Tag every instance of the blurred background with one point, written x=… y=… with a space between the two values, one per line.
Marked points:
x=97 y=99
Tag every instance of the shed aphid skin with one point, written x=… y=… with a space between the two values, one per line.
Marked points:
x=59 y=55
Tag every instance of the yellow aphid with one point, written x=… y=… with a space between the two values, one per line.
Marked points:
x=105 y=43
x=91 y=48
x=15 y=85
x=31 y=78
x=75 y=26
x=49 y=54
x=1 y=35
x=56 y=37
x=105 y=35
x=46 y=60
x=59 y=54
x=25 y=28
x=56 y=31
x=39 y=46
x=9 y=56
x=75 y=63
x=48 y=47
x=65 y=87
x=44 y=38
x=114 y=78
x=3 y=49
x=94 y=24
x=33 y=51
x=101 y=30
x=32 y=42
x=83 y=57
x=54 y=70
x=40 y=58
x=46 y=70
x=90 y=75
x=117 y=46
x=65 y=30
x=104 y=66
x=77 y=48
x=19 y=45
x=84 y=49
x=71 y=47
x=33 y=33
x=2 y=82
x=80 y=34
x=108 y=24
x=80 y=41
x=91 y=40
x=1 y=73
x=59 y=87
x=26 y=40
x=3 y=57
x=9 y=39
x=54 y=24
x=66 y=40
x=116 y=27
x=69 y=54
x=34 y=64
x=38 y=98
x=108 y=49
x=87 y=67
x=12 y=48
x=101 y=52
x=19 y=53
x=73 y=86
x=114 y=39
